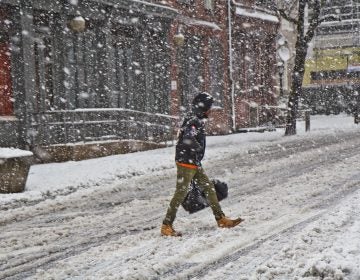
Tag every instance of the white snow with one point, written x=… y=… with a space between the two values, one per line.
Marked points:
x=100 y=218
x=13 y=152
x=156 y=5
x=203 y=23
x=145 y=3
x=8 y=118
x=256 y=14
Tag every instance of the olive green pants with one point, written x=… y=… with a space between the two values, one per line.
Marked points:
x=184 y=177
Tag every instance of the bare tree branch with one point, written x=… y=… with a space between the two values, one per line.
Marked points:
x=284 y=15
x=316 y=21
x=293 y=5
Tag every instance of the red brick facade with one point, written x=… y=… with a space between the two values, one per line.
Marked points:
x=243 y=104
x=196 y=21
x=254 y=46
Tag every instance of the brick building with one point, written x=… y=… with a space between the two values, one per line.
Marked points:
x=114 y=76
x=254 y=31
x=234 y=45
x=201 y=62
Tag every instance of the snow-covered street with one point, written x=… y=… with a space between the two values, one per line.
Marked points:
x=100 y=218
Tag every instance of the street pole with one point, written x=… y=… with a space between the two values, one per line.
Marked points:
x=281 y=74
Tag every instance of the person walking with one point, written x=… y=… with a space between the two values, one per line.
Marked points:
x=190 y=150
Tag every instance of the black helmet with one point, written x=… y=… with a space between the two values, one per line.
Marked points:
x=202 y=102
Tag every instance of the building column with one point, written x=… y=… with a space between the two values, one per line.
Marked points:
x=175 y=79
x=110 y=83
x=27 y=60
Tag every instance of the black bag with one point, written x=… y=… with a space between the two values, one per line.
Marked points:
x=195 y=200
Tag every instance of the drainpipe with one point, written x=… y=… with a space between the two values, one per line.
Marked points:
x=231 y=68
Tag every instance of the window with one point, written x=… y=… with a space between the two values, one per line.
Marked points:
x=269 y=4
x=251 y=59
x=209 y=4
x=129 y=68
x=141 y=69
x=157 y=72
x=264 y=63
x=87 y=63
x=186 y=2
x=240 y=64
x=44 y=60
x=216 y=70
x=191 y=70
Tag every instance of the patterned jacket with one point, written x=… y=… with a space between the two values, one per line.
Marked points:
x=191 y=143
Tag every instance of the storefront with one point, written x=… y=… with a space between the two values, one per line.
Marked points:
x=84 y=71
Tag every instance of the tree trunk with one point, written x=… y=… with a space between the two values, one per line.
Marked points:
x=296 y=84
x=298 y=72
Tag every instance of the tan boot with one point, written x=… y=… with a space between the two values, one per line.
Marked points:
x=167 y=230
x=226 y=222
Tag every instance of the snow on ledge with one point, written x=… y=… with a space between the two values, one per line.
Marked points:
x=141 y=2
x=13 y=152
x=256 y=14
x=205 y=23
x=156 y=5
x=8 y=118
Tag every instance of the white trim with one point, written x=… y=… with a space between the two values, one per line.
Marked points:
x=156 y=5
x=8 y=118
x=231 y=68
x=109 y=110
x=205 y=23
x=141 y=2
x=338 y=22
x=190 y=21
x=256 y=14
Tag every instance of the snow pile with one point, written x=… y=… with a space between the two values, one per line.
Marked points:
x=336 y=261
x=13 y=152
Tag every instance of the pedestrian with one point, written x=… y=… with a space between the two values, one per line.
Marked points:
x=190 y=149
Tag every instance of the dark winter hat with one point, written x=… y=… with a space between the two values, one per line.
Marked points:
x=202 y=102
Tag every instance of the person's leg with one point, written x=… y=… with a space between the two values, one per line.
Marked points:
x=184 y=177
x=209 y=189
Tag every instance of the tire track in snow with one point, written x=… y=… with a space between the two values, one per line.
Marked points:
x=197 y=270
x=15 y=268
x=255 y=184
